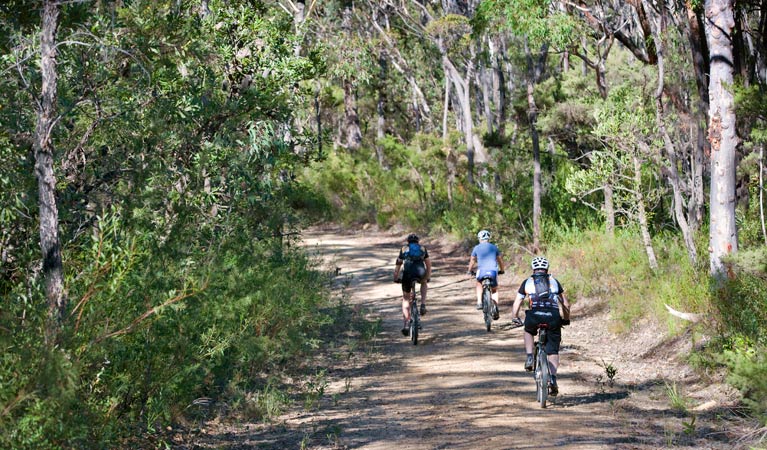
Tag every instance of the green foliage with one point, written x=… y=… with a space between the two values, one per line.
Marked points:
x=742 y=303
x=747 y=364
x=534 y=19
x=677 y=400
x=177 y=203
x=615 y=268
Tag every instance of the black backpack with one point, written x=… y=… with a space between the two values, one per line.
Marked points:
x=542 y=286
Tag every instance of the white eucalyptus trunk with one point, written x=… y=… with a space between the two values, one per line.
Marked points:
x=723 y=238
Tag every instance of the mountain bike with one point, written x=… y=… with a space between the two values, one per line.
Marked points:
x=489 y=308
x=415 y=314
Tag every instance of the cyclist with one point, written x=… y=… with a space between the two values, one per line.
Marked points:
x=487 y=258
x=546 y=297
x=417 y=266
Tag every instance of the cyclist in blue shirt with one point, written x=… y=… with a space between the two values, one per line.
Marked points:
x=414 y=261
x=487 y=258
x=547 y=297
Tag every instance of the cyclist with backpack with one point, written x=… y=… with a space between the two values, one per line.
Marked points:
x=546 y=297
x=487 y=258
x=417 y=266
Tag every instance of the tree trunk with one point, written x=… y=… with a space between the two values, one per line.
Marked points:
x=609 y=209
x=673 y=175
x=381 y=108
x=532 y=114
x=761 y=191
x=723 y=238
x=46 y=179
x=534 y=74
x=499 y=88
x=450 y=160
x=352 y=120
x=446 y=106
x=351 y=117
x=642 y=212
x=299 y=8
x=461 y=86
x=318 y=115
x=416 y=111
x=485 y=78
x=696 y=36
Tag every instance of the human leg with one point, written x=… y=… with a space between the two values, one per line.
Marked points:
x=552 y=350
x=531 y=327
x=479 y=295
x=494 y=296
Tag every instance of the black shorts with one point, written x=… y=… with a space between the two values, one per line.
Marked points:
x=412 y=272
x=554 y=333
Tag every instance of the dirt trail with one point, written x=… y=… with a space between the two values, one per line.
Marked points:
x=464 y=388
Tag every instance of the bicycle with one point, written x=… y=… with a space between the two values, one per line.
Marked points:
x=541 y=368
x=415 y=313
x=489 y=308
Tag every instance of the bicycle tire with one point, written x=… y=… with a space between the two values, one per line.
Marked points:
x=415 y=318
x=542 y=384
x=487 y=307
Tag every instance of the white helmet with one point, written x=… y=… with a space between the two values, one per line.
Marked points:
x=539 y=262
x=483 y=235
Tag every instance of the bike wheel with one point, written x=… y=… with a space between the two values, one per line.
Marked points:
x=542 y=380
x=414 y=322
x=487 y=308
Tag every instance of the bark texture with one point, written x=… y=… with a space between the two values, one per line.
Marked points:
x=49 y=214
x=723 y=238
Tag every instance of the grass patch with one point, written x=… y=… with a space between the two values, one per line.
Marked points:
x=594 y=264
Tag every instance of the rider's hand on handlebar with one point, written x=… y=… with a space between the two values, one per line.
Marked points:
x=501 y=272
x=471 y=273
x=517 y=321
x=565 y=322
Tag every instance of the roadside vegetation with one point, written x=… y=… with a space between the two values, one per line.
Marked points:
x=158 y=160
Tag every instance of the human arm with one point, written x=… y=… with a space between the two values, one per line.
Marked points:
x=521 y=294
x=516 y=307
x=500 y=263
x=565 y=306
x=472 y=263
x=397 y=267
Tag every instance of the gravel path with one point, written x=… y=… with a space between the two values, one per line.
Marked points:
x=464 y=388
